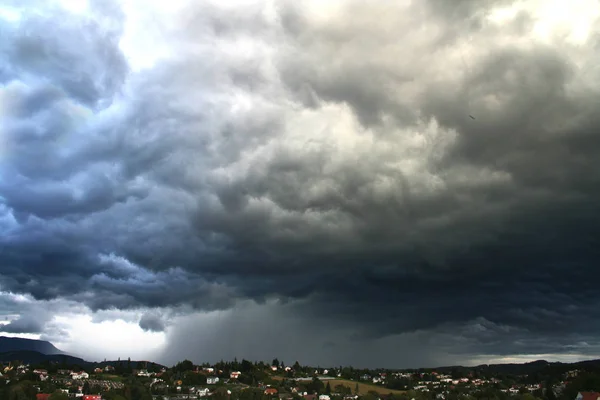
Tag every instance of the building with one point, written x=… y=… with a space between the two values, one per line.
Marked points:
x=588 y=396
x=270 y=391
x=324 y=397
x=92 y=397
x=80 y=375
x=42 y=396
x=211 y=380
x=235 y=374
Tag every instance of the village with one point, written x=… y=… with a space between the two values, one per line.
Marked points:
x=257 y=381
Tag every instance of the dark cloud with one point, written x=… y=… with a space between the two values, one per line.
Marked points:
x=152 y=322
x=328 y=163
x=26 y=324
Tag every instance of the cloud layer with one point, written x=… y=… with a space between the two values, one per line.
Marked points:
x=384 y=169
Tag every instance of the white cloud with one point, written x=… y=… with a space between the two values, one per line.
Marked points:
x=108 y=339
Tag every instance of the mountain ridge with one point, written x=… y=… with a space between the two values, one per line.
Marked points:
x=8 y=344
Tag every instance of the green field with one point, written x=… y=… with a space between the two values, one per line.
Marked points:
x=363 y=388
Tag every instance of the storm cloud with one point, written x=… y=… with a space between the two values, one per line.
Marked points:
x=407 y=173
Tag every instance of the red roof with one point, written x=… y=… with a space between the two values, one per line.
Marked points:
x=42 y=396
x=92 y=397
x=270 y=391
x=590 y=395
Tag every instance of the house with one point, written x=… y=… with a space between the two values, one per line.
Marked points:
x=273 y=368
x=98 y=370
x=365 y=377
x=204 y=392
x=92 y=397
x=42 y=396
x=109 y=368
x=208 y=369
x=270 y=391
x=324 y=397
x=235 y=374
x=211 y=380
x=588 y=396
x=80 y=375
x=143 y=372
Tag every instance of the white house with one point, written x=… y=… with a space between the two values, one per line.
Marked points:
x=235 y=374
x=211 y=380
x=80 y=375
x=204 y=392
x=324 y=397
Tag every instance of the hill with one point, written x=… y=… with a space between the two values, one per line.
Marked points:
x=35 y=357
x=18 y=344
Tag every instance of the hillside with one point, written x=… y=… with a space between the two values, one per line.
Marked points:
x=35 y=357
x=18 y=344
x=363 y=388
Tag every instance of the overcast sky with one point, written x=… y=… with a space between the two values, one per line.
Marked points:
x=375 y=183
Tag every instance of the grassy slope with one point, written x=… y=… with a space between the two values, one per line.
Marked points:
x=363 y=388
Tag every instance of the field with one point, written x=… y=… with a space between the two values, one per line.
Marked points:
x=363 y=388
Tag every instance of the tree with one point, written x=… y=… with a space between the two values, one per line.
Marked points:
x=356 y=389
x=246 y=366
x=185 y=365
x=59 y=395
x=315 y=386
x=275 y=362
x=22 y=391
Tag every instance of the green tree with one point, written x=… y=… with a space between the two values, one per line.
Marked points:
x=315 y=386
x=328 y=388
x=22 y=391
x=276 y=362
x=185 y=365
x=59 y=395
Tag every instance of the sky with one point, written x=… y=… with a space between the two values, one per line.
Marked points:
x=370 y=183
